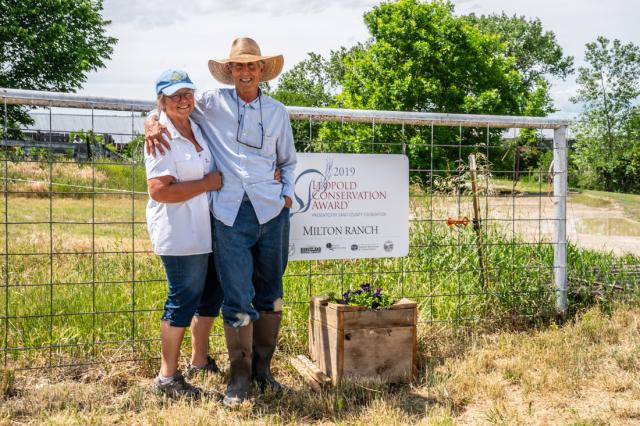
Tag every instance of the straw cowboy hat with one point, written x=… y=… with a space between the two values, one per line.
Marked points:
x=245 y=50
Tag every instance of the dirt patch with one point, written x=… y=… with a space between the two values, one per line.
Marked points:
x=592 y=222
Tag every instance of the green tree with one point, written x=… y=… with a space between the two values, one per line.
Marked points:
x=606 y=129
x=135 y=149
x=308 y=83
x=538 y=56
x=421 y=57
x=536 y=52
x=313 y=82
x=51 y=45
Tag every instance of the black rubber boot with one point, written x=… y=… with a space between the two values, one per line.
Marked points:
x=239 y=341
x=265 y=337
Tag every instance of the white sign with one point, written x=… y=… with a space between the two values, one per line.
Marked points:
x=350 y=206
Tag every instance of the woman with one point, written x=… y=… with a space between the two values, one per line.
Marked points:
x=180 y=230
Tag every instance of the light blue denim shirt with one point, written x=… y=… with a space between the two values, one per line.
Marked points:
x=264 y=128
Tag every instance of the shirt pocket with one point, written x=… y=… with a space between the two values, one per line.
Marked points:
x=188 y=167
x=269 y=146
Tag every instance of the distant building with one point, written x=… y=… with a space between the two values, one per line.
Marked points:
x=116 y=129
x=54 y=131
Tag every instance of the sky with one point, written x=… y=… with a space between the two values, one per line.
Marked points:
x=153 y=36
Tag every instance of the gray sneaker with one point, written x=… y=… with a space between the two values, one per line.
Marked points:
x=177 y=387
x=209 y=367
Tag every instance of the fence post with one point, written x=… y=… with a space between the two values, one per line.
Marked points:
x=560 y=172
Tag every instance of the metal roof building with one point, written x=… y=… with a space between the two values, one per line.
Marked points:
x=122 y=128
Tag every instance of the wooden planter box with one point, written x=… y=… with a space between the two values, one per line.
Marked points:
x=350 y=341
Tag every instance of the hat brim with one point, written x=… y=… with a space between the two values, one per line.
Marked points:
x=272 y=67
x=175 y=87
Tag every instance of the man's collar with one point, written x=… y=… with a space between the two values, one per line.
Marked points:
x=253 y=104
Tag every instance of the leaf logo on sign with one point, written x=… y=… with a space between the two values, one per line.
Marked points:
x=325 y=177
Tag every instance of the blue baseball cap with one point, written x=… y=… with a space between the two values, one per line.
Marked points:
x=170 y=81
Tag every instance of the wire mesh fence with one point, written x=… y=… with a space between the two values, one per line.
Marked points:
x=80 y=283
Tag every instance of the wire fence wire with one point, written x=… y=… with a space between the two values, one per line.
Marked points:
x=80 y=283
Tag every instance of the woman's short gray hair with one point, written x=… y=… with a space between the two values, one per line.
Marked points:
x=161 y=102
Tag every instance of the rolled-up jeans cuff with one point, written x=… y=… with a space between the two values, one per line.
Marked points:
x=186 y=277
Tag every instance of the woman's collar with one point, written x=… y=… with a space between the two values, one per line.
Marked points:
x=166 y=121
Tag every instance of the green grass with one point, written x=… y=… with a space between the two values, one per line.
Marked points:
x=630 y=203
x=77 y=292
x=93 y=298
x=524 y=185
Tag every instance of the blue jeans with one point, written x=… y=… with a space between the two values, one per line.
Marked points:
x=250 y=260
x=193 y=288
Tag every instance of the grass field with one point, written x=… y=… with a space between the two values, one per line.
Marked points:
x=79 y=284
x=61 y=294
x=585 y=373
x=80 y=281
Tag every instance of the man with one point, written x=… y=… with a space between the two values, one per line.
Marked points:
x=250 y=135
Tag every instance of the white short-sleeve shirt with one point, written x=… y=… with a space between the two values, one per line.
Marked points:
x=180 y=229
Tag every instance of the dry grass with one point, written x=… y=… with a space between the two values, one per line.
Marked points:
x=33 y=177
x=39 y=174
x=585 y=373
x=41 y=171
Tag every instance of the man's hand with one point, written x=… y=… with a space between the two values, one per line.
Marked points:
x=277 y=176
x=287 y=202
x=153 y=139
x=212 y=181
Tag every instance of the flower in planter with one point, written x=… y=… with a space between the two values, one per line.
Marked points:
x=363 y=296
